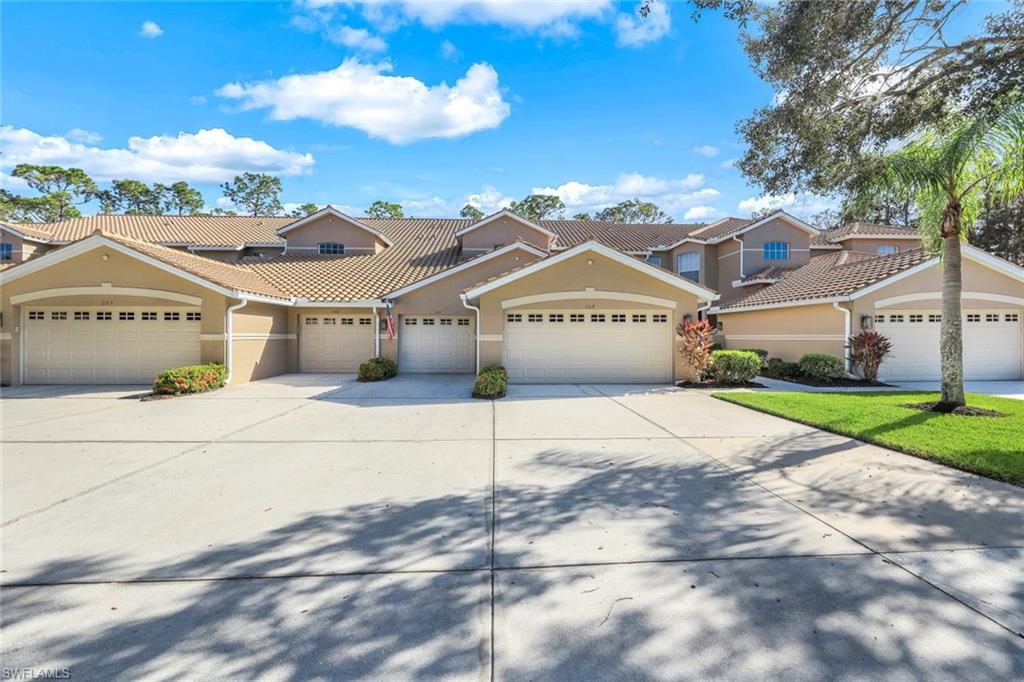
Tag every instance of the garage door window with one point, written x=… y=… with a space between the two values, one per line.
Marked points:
x=935 y=318
x=597 y=317
x=59 y=315
x=104 y=316
x=556 y=317
x=659 y=318
x=974 y=318
x=125 y=317
x=148 y=317
x=193 y=317
x=1012 y=317
x=36 y=315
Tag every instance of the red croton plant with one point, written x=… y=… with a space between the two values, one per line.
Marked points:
x=695 y=341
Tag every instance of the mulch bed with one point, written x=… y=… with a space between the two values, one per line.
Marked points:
x=963 y=410
x=715 y=384
x=844 y=382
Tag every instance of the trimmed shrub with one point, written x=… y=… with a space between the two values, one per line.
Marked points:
x=695 y=344
x=491 y=382
x=191 y=379
x=777 y=368
x=868 y=350
x=735 y=366
x=759 y=352
x=377 y=369
x=821 y=367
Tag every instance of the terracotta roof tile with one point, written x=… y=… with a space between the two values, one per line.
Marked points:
x=622 y=236
x=830 y=275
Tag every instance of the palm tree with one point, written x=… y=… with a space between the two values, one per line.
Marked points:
x=952 y=172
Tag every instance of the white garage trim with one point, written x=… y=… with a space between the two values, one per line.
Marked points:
x=610 y=253
x=937 y=295
x=104 y=290
x=587 y=293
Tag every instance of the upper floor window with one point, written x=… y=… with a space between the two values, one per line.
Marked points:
x=654 y=260
x=6 y=252
x=776 y=250
x=330 y=249
x=887 y=249
x=688 y=266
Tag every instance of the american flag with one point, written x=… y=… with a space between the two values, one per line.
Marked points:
x=389 y=323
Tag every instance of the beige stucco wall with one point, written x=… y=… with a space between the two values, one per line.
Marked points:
x=786 y=333
x=22 y=249
x=576 y=275
x=774 y=231
x=728 y=266
x=707 y=268
x=119 y=270
x=502 y=231
x=329 y=228
x=275 y=352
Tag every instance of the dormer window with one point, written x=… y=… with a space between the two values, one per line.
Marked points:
x=887 y=249
x=6 y=252
x=776 y=250
x=330 y=249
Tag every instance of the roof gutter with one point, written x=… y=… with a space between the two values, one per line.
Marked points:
x=228 y=355
x=740 y=242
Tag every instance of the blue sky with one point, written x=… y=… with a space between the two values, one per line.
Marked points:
x=430 y=104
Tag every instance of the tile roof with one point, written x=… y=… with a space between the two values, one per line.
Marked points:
x=622 y=236
x=831 y=275
x=200 y=230
x=218 y=272
x=834 y=235
x=721 y=228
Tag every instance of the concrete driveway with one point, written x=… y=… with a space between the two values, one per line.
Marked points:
x=314 y=527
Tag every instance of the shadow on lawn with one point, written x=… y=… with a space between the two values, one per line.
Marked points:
x=806 y=618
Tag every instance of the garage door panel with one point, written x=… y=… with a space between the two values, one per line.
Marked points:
x=79 y=345
x=334 y=344
x=588 y=346
x=436 y=344
x=992 y=345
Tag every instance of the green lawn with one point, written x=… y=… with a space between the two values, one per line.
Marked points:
x=991 y=446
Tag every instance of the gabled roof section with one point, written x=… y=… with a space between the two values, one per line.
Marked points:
x=27 y=232
x=330 y=210
x=504 y=213
x=726 y=228
x=600 y=249
x=230 y=280
x=466 y=264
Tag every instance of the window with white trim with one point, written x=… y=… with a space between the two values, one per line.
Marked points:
x=776 y=250
x=534 y=317
x=104 y=315
x=330 y=321
x=365 y=320
x=639 y=318
x=193 y=317
x=446 y=322
x=348 y=321
x=879 y=318
x=149 y=316
x=887 y=249
x=81 y=314
x=428 y=321
x=617 y=317
x=659 y=318
x=896 y=318
x=36 y=315
x=597 y=317
x=125 y=316
x=59 y=315
x=463 y=321
x=688 y=266
x=935 y=317
x=411 y=321
x=556 y=317
x=992 y=317
x=973 y=317
x=172 y=317
x=1012 y=317
x=330 y=249
x=312 y=320
x=917 y=318
x=654 y=260
x=577 y=317
x=6 y=252
x=514 y=317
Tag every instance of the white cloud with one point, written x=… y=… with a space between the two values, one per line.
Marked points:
x=82 y=135
x=633 y=30
x=356 y=38
x=706 y=150
x=552 y=17
x=671 y=195
x=701 y=213
x=399 y=109
x=197 y=99
x=150 y=29
x=729 y=163
x=448 y=50
x=799 y=204
x=489 y=200
x=206 y=156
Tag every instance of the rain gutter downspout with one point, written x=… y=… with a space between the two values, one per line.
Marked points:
x=476 y=310
x=228 y=336
x=740 y=242
x=847 y=331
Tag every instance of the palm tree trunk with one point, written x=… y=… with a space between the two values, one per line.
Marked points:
x=951 y=330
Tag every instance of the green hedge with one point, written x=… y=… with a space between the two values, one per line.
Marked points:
x=191 y=379
x=377 y=369
x=760 y=352
x=821 y=367
x=735 y=366
x=777 y=368
x=491 y=382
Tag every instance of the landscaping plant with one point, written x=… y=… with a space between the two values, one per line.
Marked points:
x=868 y=350
x=777 y=368
x=191 y=379
x=821 y=367
x=491 y=383
x=759 y=352
x=735 y=366
x=695 y=345
x=377 y=369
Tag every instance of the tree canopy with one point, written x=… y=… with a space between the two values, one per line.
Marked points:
x=538 y=207
x=61 y=189
x=258 y=193
x=385 y=209
x=634 y=211
x=471 y=211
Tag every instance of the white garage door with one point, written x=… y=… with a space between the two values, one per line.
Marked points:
x=992 y=344
x=82 y=345
x=570 y=346
x=334 y=344
x=436 y=344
